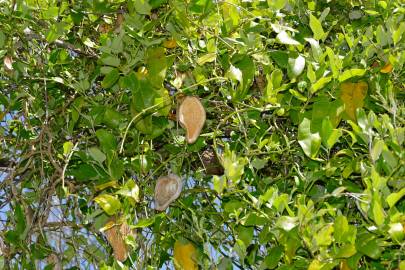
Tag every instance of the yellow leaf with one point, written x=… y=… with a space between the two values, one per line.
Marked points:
x=352 y=95
x=344 y=265
x=184 y=256
x=315 y=265
x=387 y=68
x=142 y=73
x=170 y=43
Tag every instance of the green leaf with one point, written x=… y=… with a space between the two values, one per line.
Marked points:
x=112 y=118
x=310 y=142
x=316 y=27
x=107 y=140
x=84 y=172
x=274 y=256
x=245 y=234
x=116 y=168
x=377 y=149
x=341 y=228
x=346 y=251
x=233 y=166
x=19 y=219
x=315 y=48
x=296 y=66
x=324 y=236
x=142 y=6
x=206 y=58
x=287 y=223
x=244 y=64
x=54 y=32
x=157 y=65
x=109 y=203
x=350 y=73
x=311 y=74
x=219 y=183
x=96 y=154
x=397 y=231
x=110 y=60
x=67 y=147
x=393 y=198
x=320 y=84
x=276 y=4
x=280 y=57
x=367 y=245
x=146 y=222
x=130 y=189
x=284 y=38
x=396 y=36
x=111 y=78
x=298 y=95
x=254 y=219
x=2 y=39
x=329 y=135
x=333 y=62
x=143 y=94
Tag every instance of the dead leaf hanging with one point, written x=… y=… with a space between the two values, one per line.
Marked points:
x=352 y=95
x=191 y=116
x=167 y=190
x=116 y=234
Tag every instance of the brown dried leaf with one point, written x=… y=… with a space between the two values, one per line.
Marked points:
x=168 y=189
x=116 y=234
x=191 y=116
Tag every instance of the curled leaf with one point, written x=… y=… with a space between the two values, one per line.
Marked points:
x=167 y=190
x=116 y=233
x=8 y=63
x=387 y=68
x=191 y=116
x=184 y=255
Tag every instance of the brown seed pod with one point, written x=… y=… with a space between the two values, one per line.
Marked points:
x=167 y=189
x=115 y=235
x=191 y=115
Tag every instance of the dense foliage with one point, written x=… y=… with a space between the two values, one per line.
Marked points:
x=300 y=163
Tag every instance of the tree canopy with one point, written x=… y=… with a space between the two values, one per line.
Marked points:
x=202 y=134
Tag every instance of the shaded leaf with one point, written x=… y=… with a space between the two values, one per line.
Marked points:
x=352 y=95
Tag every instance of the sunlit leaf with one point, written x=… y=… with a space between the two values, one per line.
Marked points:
x=347 y=74
x=184 y=255
x=109 y=203
x=310 y=142
x=67 y=147
x=320 y=84
x=393 y=198
x=284 y=38
x=206 y=58
x=130 y=189
x=316 y=27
